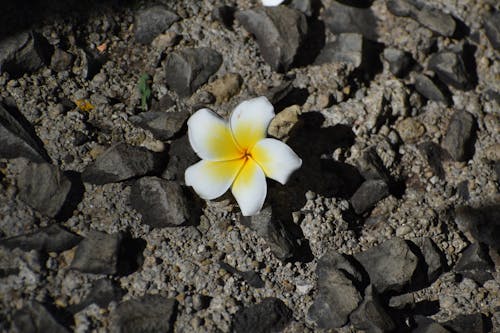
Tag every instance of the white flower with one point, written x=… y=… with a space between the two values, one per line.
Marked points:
x=238 y=155
x=272 y=3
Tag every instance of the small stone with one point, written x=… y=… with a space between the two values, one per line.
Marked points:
x=435 y=20
x=470 y=323
x=121 y=162
x=433 y=257
x=371 y=166
x=270 y=315
x=399 y=61
x=401 y=8
x=410 y=129
x=251 y=277
x=425 y=86
x=402 y=301
x=483 y=224
x=280 y=32
x=459 y=137
x=163 y=125
x=491 y=26
x=340 y=18
x=36 y=318
x=368 y=194
x=450 y=69
x=474 y=257
x=168 y=39
x=163 y=104
x=161 y=203
x=427 y=325
x=181 y=156
x=188 y=69
x=433 y=153
x=348 y=48
x=492 y=152
x=283 y=123
x=61 y=60
x=151 y=22
x=226 y=87
x=98 y=253
x=224 y=15
x=371 y=316
x=277 y=94
x=102 y=292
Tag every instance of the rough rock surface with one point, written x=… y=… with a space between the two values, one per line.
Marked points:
x=459 y=136
x=98 y=253
x=163 y=125
x=151 y=22
x=271 y=315
x=49 y=239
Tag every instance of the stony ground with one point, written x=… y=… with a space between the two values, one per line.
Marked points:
x=391 y=224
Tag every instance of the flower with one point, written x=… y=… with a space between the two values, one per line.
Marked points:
x=237 y=154
x=272 y=3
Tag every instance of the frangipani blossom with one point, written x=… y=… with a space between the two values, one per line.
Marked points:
x=272 y=3
x=237 y=154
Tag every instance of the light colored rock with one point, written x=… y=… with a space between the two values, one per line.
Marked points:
x=226 y=87
x=284 y=121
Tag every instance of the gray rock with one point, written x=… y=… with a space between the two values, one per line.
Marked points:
x=61 y=60
x=371 y=166
x=371 y=315
x=280 y=33
x=163 y=125
x=162 y=203
x=399 y=61
x=433 y=257
x=459 y=137
x=427 y=325
x=278 y=93
x=49 y=239
x=188 y=69
x=483 y=224
x=98 y=253
x=35 y=318
x=150 y=313
x=25 y=52
x=252 y=278
x=151 y=22
x=491 y=26
x=433 y=153
x=471 y=323
x=390 y=265
x=368 y=194
x=18 y=140
x=450 y=68
x=402 y=8
x=121 y=162
x=181 y=156
x=425 y=86
x=270 y=315
x=340 y=18
x=474 y=257
x=304 y=6
x=163 y=104
x=102 y=292
x=348 y=48
x=44 y=187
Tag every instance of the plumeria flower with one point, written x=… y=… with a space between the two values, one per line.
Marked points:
x=237 y=154
x=272 y=3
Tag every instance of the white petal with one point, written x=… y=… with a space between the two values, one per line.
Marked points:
x=250 y=188
x=211 y=179
x=211 y=138
x=249 y=121
x=277 y=159
x=272 y=2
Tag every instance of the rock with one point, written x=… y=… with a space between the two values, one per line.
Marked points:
x=433 y=153
x=337 y=295
x=163 y=125
x=390 y=265
x=427 y=88
x=433 y=257
x=491 y=25
x=368 y=194
x=121 y=162
x=348 y=48
x=474 y=257
x=270 y=315
x=25 y=52
x=371 y=316
x=280 y=33
x=226 y=87
x=181 y=156
x=18 y=138
x=98 y=253
x=224 y=15
x=251 y=277
x=410 y=129
x=401 y=302
x=36 y=318
x=459 y=137
x=450 y=69
x=340 y=18
x=150 y=313
x=399 y=61
x=163 y=104
x=188 y=69
x=44 y=187
x=471 y=323
x=102 y=292
x=168 y=39
x=87 y=64
x=427 y=325
x=61 y=60
x=49 y=239
x=151 y=22
x=162 y=203
x=371 y=166
x=483 y=224
x=400 y=7
x=282 y=124
x=305 y=6
x=277 y=94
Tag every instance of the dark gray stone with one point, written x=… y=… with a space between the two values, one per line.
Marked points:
x=49 y=239
x=491 y=26
x=399 y=61
x=450 y=68
x=270 y=315
x=471 y=323
x=151 y=22
x=18 y=140
x=340 y=18
x=163 y=125
x=98 y=253
x=371 y=166
x=368 y=194
x=224 y=15
x=433 y=153
x=150 y=313
x=427 y=325
x=163 y=104
x=278 y=93
x=102 y=292
x=400 y=8
x=425 y=86
x=483 y=224
x=162 y=203
x=61 y=60
x=390 y=265
x=474 y=257
x=43 y=187
x=371 y=315
x=348 y=48
x=459 y=137
x=121 y=162
x=251 y=277
x=280 y=33
x=188 y=69
x=433 y=257
x=181 y=156
x=35 y=318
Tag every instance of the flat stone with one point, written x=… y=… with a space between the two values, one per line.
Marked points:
x=150 y=313
x=368 y=194
x=225 y=87
x=371 y=166
x=282 y=124
x=162 y=203
x=410 y=130
x=340 y=18
x=390 y=265
x=371 y=315
x=470 y=323
x=163 y=125
x=122 y=161
x=151 y=22
x=459 y=137
x=483 y=224
x=280 y=32
x=427 y=325
x=433 y=257
x=252 y=278
x=188 y=69
x=402 y=8
x=399 y=61
x=61 y=60
x=450 y=68
x=348 y=48
x=427 y=88
x=270 y=315
x=34 y=318
x=44 y=187
x=474 y=257
x=491 y=25
x=181 y=156
x=98 y=253
x=102 y=292
x=49 y=239
x=163 y=104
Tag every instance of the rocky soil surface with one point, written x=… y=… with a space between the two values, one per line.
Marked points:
x=391 y=225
